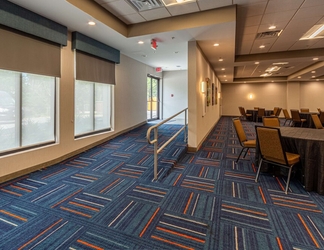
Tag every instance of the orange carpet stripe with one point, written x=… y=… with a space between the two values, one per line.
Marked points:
x=80 y=163
x=132 y=176
x=191 y=160
x=281 y=186
x=262 y=195
x=87 y=177
x=279 y=243
x=188 y=203
x=89 y=245
x=40 y=234
x=13 y=215
x=76 y=212
x=15 y=180
x=50 y=175
x=181 y=235
x=198 y=184
x=301 y=208
x=84 y=206
x=201 y=171
x=21 y=188
x=61 y=201
x=176 y=181
x=308 y=231
x=149 y=222
x=75 y=166
x=239 y=175
x=207 y=190
x=151 y=190
x=244 y=210
x=120 y=164
x=295 y=202
x=129 y=171
x=144 y=158
x=103 y=190
x=253 y=167
x=171 y=242
x=10 y=192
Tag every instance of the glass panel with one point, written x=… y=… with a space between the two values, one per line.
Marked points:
x=38 y=100
x=9 y=110
x=83 y=107
x=102 y=106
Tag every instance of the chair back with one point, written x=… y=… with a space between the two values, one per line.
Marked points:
x=317 y=121
x=256 y=107
x=239 y=130
x=241 y=111
x=261 y=112
x=271 y=121
x=319 y=110
x=321 y=117
x=270 y=145
x=275 y=110
x=304 y=110
x=286 y=114
x=295 y=115
x=278 y=111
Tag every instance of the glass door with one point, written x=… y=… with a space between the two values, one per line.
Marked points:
x=152 y=98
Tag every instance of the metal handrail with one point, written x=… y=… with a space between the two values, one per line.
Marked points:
x=155 y=140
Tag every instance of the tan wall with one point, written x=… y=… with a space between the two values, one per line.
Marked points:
x=129 y=111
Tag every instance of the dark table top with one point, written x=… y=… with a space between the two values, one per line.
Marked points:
x=303 y=133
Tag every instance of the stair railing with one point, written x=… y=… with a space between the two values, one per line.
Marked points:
x=155 y=140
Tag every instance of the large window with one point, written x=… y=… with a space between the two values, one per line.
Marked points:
x=92 y=107
x=27 y=110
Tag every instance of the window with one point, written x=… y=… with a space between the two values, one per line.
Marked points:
x=27 y=110
x=92 y=107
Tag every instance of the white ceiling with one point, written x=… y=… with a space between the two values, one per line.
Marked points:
x=238 y=45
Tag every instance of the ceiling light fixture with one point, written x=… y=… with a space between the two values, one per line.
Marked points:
x=223 y=68
x=272 y=27
x=317 y=31
x=256 y=63
x=140 y=42
x=272 y=69
x=262 y=46
x=174 y=2
x=216 y=44
x=92 y=23
x=280 y=63
x=220 y=59
x=315 y=58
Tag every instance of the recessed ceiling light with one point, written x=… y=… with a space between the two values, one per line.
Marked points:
x=315 y=32
x=262 y=46
x=313 y=76
x=313 y=72
x=220 y=59
x=223 y=68
x=315 y=58
x=140 y=42
x=216 y=44
x=225 y=76
x=299 y=77
x=256 y=63
x=272 y=27
x=91 y=23
x=225 y=80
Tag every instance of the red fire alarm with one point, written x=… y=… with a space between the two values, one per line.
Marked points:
x=158 y=69
x=154 y=44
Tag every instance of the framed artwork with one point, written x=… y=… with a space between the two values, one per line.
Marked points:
x=213 y=94
x=208 y=92
x=216 y=95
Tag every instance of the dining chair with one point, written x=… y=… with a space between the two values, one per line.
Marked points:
x=272 y=152
x=261 y=113
x=304 y=110
x=244 y=114
x=287 y=116
x=271 y=121
x=245 y=143
x=319 y=110
x=295 y=116
x=275 y=110
x=317 y=121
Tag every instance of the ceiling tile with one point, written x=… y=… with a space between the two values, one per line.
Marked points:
x=304 y=13
x=251 y=21
x=183 y=8
x=278 y=6
x=283 y=16
x=122 y=8
x=252 y=9
x=155 y=14
x=208 y=4
x=132 y=18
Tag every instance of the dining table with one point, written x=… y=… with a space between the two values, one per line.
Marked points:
x=309 y=144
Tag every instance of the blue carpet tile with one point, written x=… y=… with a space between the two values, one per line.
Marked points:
x=106 y=198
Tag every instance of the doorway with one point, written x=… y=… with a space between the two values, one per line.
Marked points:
x=153 y=102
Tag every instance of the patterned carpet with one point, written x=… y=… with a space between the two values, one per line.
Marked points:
x=105 y=198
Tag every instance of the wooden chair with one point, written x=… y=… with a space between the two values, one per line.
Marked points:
x=304 y=110
x=319 y=110
x=321 y=117
x=287 y=116
x=295 y=116
x=271 y=151
x=245 y=143
x=317 y=121
x=275 y=110
x=244 y=114
x=271 y=121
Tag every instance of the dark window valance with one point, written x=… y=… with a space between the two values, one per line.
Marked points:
x=18 y=18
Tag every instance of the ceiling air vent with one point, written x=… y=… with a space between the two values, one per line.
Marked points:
x=268 y=34
x=142 y=5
